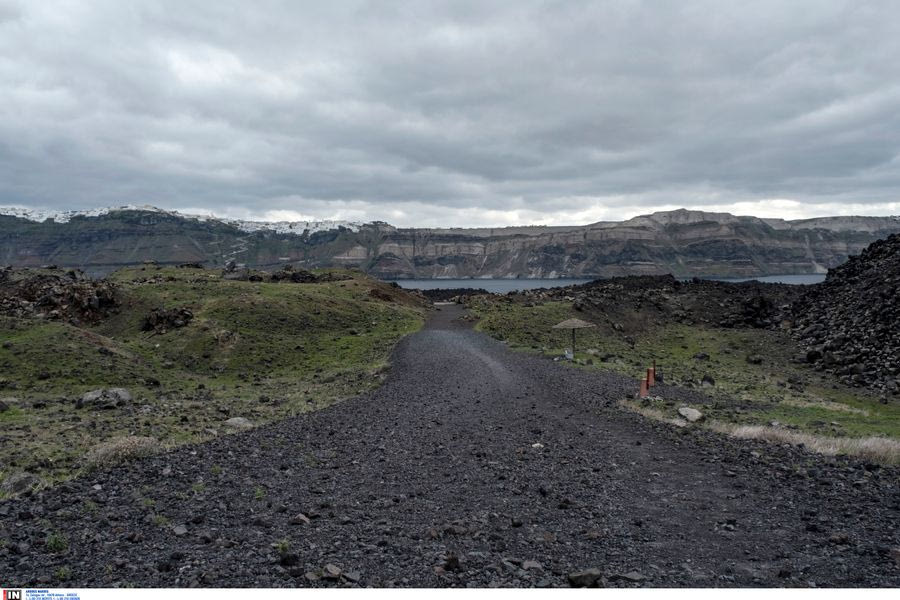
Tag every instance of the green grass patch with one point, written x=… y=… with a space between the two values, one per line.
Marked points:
x=263 y=351
x=756 y=379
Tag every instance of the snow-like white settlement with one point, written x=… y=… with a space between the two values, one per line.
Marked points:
x=60 y=216
x=296 y=227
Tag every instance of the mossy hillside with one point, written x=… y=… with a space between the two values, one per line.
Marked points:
x=261 y=351
x=756 y=378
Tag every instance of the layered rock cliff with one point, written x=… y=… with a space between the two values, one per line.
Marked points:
x=681 y=242
x=684 y=243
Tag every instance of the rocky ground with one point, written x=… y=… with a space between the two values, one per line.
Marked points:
x=470 y=466
x=635 y=302
x=850 y=324
x=452 y=294
x=55 y=294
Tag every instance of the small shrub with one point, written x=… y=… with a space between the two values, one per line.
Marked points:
x=63 y=573
x=121 y=449
x=259 y=493
x=283 y=547
x=57 y=543
x=161 y=520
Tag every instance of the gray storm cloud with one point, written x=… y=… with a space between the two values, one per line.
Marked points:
x=458 y=113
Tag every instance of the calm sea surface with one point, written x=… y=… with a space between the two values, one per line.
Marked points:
x=793 y=279
x=497 y=286
x=501 y=286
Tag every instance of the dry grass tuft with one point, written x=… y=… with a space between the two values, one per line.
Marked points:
x=652 y=413
x=121 y=449
x=876 y=449
x=827 y=405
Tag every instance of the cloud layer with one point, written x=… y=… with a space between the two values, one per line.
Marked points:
x=456 y=113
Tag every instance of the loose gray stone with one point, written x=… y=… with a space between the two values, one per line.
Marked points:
x=690 y=414
x=586 y=578
x=105 y=398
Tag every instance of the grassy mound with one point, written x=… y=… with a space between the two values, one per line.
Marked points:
x=261 y=351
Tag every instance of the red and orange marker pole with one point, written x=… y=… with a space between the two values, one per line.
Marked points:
x=648 y=381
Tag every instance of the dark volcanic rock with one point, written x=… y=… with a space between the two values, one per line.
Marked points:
x=452 y=295
x=665 y=299
x=288 y=273
x=162 y=320
x=56 y=295
x=293 y=275
x=850 y=323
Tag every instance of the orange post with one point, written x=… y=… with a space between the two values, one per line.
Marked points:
x=643 y=392
x=651 y=377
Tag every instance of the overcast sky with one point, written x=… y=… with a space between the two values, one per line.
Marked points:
x=458 y=113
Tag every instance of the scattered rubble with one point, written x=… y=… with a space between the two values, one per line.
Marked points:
x=55 y=295
x=850 y=323
x=664 y=298
x=291 y=274
x=104 y=399
x=288 y=273
x=161 y=320
x=458 y=295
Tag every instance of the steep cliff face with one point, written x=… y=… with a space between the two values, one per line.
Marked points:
x=684 y=243
x=105 y=242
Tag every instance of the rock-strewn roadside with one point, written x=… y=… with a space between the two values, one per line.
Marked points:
x=471 y=466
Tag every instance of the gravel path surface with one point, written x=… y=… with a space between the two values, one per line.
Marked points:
x=470 y=466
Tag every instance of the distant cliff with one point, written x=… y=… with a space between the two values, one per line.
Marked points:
x=684 y=243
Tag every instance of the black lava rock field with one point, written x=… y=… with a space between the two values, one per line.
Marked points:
x=470 y=466
x=850 y=323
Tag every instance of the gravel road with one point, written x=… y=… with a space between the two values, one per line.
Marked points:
x=470 y=466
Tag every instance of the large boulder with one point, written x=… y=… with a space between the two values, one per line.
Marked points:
x=692 y=415
x=104 y=398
